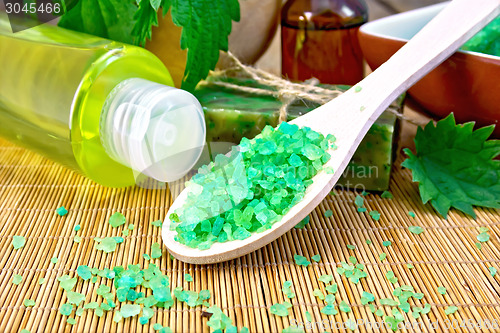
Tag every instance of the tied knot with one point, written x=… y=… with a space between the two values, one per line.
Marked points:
x=284 y=90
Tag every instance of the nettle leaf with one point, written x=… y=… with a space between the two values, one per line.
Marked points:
x=455 y=166
x=206 y=25
x=111 y=19
x=145 y=18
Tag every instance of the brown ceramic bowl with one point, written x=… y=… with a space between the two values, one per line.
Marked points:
x=467 y=84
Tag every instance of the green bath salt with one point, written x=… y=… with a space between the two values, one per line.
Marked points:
x=251 y=189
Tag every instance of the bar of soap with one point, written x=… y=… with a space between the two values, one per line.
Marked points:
x=371 y=164
x=231 y=115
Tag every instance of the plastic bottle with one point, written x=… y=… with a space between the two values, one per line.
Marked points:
x=103 y=108
x=319 y=38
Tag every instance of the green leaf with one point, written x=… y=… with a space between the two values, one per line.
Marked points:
x=455 y=166
x=111 y=19
x=206 y=25
x=145 y=18
x=155 y=4
x=441 y=290
x=493 y=271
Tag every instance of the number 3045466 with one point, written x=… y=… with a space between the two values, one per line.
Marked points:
x=32 y=8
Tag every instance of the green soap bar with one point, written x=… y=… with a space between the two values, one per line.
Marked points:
x=231 y=115
x=371 y=164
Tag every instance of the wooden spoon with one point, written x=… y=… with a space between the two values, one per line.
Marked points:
x=349 y=116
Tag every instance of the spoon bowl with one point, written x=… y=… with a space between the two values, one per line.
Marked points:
x=349 y=116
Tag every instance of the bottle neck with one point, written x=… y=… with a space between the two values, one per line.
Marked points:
x=324 y=14
x=154 y=129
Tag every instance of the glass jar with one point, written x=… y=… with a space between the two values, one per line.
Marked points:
x=319 y=38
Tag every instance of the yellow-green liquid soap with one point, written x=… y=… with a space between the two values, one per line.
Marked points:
x=103 y=108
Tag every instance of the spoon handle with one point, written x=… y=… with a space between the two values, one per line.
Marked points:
x=442 y=36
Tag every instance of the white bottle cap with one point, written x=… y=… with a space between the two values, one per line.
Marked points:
x=154 y=129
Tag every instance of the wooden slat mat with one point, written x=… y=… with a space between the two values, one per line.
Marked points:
x=31 y=188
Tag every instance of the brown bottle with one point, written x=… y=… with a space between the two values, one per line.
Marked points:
x=319 y=38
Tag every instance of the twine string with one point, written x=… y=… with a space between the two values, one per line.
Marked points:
x=284 y=90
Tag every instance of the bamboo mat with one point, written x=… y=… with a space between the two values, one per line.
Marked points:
x=31 y=188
